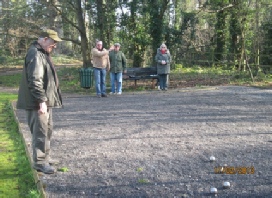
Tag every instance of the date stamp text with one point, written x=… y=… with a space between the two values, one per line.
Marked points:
x=234 y=170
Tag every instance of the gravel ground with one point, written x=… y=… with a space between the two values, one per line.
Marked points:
x=158 y=144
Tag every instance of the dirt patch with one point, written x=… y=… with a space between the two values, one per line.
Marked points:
x=10 y=70
x=158 y=144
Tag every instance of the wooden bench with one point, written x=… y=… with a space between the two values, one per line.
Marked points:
x=136 y=74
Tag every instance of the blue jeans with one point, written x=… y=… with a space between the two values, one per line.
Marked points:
x=100 y=81
x=163 y=81
x=116 y=77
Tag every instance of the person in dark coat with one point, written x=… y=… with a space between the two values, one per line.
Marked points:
x=163 y=60
x=118 y=64
x=38 y=94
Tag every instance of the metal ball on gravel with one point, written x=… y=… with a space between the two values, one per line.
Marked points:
x=226 y=185
x=212 y=159
x=213 y=190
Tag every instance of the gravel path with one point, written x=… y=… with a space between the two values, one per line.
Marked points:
x=158 y=144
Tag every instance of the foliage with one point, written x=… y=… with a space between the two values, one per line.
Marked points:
x=143 y=181
x=235 y=31
x=266 y=42
x=63 y=169
x=16 y=177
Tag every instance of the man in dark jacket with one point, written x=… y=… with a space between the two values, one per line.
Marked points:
x=118 y=65
x=38 y=94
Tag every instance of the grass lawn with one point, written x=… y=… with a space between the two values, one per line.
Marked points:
x=16 y=176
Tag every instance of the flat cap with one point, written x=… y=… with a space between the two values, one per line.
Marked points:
x=51 y=34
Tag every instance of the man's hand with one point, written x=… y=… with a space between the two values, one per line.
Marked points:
x=43 y=108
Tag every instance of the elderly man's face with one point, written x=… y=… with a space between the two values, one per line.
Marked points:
x=117 y=48
x=48 y=44
x=99 y=46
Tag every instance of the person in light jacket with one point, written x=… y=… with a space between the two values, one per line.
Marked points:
x=163 y=60
x=101 y=64
x=38 y=94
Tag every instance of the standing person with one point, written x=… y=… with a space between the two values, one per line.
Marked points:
x=101 y=64
x=38 y=94
x=118 y=64
x=163 y=59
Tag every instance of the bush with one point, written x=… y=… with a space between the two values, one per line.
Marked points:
x=3 y=60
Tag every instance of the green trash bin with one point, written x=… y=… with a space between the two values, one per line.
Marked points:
x=86 y=77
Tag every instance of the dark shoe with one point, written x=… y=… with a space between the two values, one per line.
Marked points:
x=104 y=95
x=45 y=168
x=53 y=161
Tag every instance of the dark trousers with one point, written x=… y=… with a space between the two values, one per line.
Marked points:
x=163 y=81
x=41 y=127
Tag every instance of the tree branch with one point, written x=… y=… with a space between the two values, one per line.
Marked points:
x=65 y=18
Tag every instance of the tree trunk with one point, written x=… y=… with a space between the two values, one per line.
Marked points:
x=157 y=10
x=220 y=36
x=84 y=41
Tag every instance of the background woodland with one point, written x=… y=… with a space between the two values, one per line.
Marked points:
x=214 y=33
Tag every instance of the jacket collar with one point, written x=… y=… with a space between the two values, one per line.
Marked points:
x=39 y=47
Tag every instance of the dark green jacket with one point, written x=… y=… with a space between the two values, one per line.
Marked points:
x=39 y=81
x=118 y=62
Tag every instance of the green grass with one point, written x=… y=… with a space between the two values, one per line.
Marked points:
x=211 y=76
x=63 y=169
x=181 y=77
x=16 y=177
x=9 y=61
x=12 y=80
x=66 y=60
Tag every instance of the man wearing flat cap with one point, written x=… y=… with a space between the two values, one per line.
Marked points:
x=118 y=66
x=38 y=94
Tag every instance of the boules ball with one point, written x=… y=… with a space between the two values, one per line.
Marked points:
x=212 y=159
x=213 y=190
x=226 y=184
